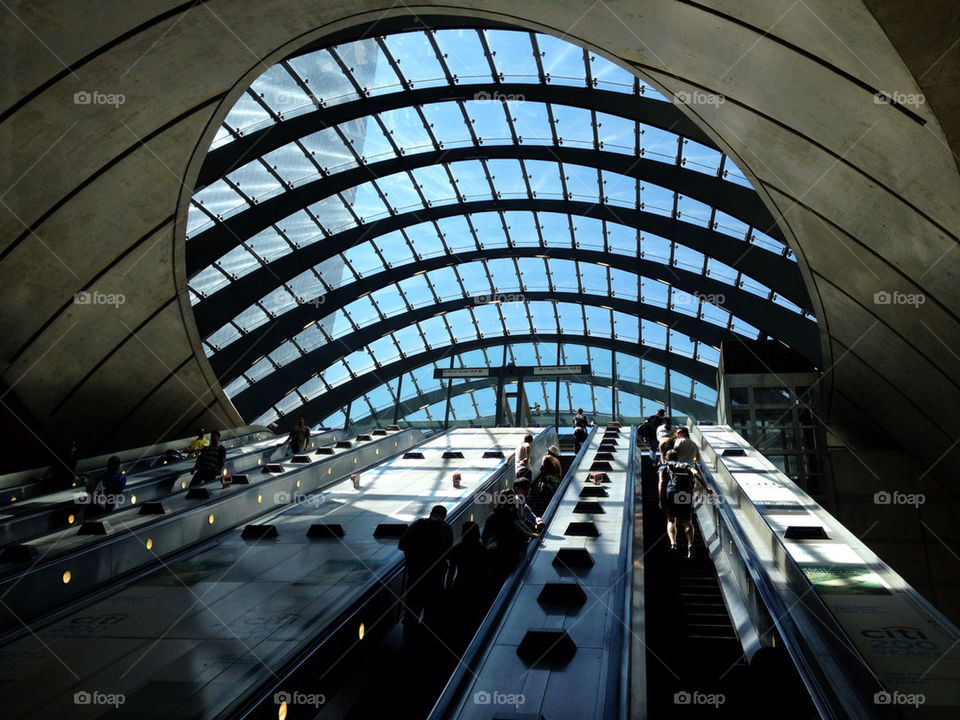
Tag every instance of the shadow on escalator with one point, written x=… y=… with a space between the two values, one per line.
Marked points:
x=402 y=681
x=695 y=662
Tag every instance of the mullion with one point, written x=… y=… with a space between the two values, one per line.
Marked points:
x=494 y=73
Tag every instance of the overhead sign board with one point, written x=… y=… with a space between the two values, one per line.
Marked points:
x=463 y=372
x=560 y=370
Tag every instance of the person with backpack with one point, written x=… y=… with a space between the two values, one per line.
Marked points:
x=210 y=461
x=677 y=483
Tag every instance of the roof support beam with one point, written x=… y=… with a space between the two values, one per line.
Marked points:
x=798 y=332
x=224 y=159
x=255 y=399
x=777 y=272
x=329 y=402
x=735 y=200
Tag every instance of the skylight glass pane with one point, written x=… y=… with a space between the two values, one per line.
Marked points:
x=513 y=55
x=417 y=59
x=562 y=62
x=464 y=55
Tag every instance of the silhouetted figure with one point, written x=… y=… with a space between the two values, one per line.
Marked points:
x=527 y=516
x=580 y=425
x=299 y=437
x=210 y=461
x=426 y=545
x=505 y=535
x=114 y=482
x=468 y=583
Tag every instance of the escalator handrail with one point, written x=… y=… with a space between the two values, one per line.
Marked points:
x=782 y=616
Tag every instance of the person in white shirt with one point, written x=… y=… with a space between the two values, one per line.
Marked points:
x=521 y=458
x=687 y=450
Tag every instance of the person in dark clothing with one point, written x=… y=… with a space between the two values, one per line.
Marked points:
x=656 y=421
x=468 y=582
x=675 y=491
x=580 y=425
x=113 y=483
x=299 y=436
x=505 y=535
x=210 y=461
x=426 y=547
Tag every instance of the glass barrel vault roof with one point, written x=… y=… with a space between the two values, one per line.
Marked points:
x=410 y=195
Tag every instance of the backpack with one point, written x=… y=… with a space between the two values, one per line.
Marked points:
x=679 y=478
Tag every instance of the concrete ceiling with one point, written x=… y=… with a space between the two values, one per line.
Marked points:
x=93 y=195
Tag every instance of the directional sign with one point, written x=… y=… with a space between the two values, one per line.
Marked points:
x=560 y=370
x=518 y=371
x=462 y=372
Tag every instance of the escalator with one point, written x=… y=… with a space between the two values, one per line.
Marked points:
x=695 y=663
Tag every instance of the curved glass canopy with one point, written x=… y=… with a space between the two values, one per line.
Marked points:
x=376 y=210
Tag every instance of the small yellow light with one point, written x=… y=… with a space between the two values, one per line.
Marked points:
x=13 y=499
x=354 y=460
x=362 y=631
x=149 y=543
x=259 y=499
x=329 y=471
x=259 y=461
x=471 y=517
x=282 y=713
x=298 y=483
x=133 y=499
x=183 y=484
x=66 y=576
x=396 y=444
x=71 y=519
x=210 y=519
x=377 y=451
